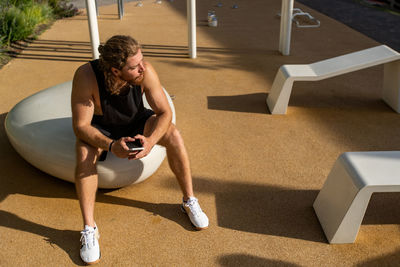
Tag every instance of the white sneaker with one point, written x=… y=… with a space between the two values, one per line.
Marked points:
x=90 y=249
x=198 y=218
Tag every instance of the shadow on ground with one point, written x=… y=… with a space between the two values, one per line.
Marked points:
x=250 y=260
x=262 y=209
x=254 y=261
x=65 y=239
x=77 y=51
x=385 y=260
x=18 y=177
x=278 y=211
x=366 y=19
x=80 y=51
x=249 y=103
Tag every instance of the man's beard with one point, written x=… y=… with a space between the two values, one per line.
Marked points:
x=116 y=85
x=137 y=81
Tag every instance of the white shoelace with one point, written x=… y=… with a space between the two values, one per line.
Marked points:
x=194 y=206
x=87 y=238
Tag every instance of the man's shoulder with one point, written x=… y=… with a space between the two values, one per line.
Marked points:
x=85 y=70
x=151 y=77
x=149 y=67
x=84 y=81
x=84 y=74
x=147 y=64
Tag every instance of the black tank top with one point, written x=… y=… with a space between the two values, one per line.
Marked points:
x=120 y=112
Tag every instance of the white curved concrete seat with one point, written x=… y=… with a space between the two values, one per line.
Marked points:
x=341 y=204
x=279 y=95
x=40 y=129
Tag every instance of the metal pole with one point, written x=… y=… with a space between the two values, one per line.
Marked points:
x=191 y=14
x=97 y=7
x=286 y=27
x=93 y=28
x=120 y=8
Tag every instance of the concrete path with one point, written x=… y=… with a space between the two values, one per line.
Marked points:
x=382 y=26
x=256 y=175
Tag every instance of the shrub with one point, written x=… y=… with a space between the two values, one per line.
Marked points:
x=19 y=21
x=20 y=18
x=62 y=8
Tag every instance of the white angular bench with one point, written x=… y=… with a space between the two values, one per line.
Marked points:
x=278 y=97
x=341 y=204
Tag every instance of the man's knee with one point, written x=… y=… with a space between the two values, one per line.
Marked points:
x=172 y=136
x=86 y=157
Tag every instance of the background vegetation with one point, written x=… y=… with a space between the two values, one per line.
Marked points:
x=20 y=19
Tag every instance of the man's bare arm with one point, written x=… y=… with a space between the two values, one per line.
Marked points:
x=158 y=102
x=82 y=105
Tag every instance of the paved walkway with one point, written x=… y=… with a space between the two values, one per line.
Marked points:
x=256 y=175
x=82 y=3
x=382 y=26
x=377 y=24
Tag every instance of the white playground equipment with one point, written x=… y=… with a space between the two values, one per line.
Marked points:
x=40 y=129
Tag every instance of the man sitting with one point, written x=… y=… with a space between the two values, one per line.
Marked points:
x=107 y=113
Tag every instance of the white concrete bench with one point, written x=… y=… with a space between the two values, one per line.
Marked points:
x=278 y=97
x=343 y=200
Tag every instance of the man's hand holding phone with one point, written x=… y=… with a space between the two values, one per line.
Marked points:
x=146 y=144
x=132 y=148
x=135 y=145
x=126 y=147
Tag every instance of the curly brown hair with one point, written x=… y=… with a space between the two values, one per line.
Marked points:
x=114 y=53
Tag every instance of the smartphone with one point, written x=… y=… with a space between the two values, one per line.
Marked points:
x=135 y=146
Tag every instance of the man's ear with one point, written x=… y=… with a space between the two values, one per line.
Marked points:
x=115 y=71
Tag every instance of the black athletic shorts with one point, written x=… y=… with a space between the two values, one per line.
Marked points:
x=137 y=127
x=116 y=133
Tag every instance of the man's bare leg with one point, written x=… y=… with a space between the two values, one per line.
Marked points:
x=178 y=158
x=86 y=187
x=86 y=180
